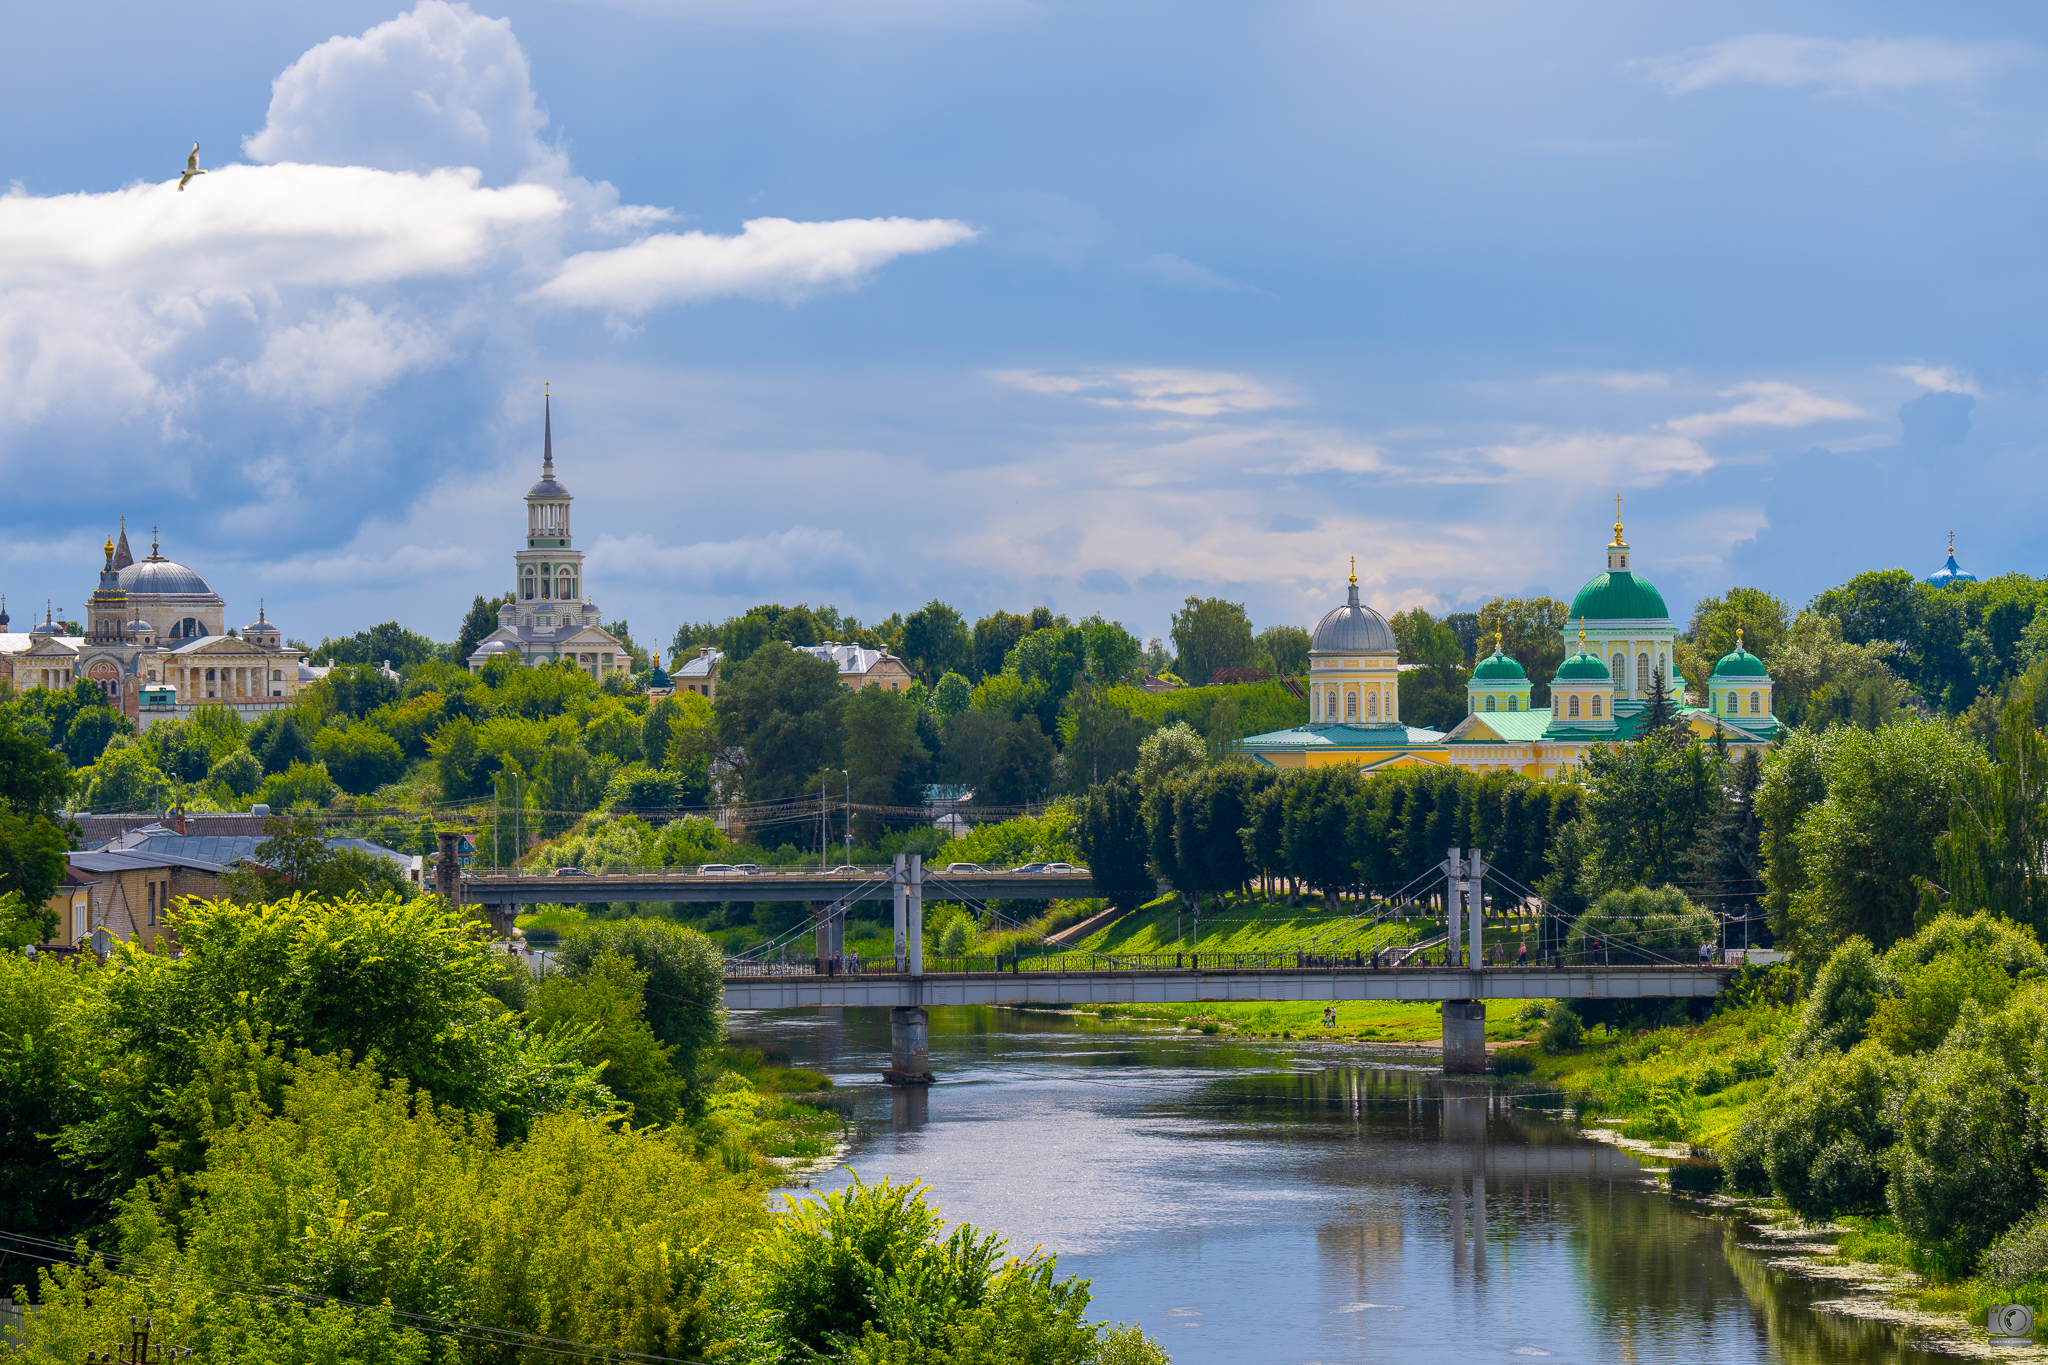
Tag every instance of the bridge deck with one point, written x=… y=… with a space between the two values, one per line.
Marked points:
x=1165 y=986
x=507 y=891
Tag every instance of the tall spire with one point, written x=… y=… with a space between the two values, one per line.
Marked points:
x=1353 y=599
x=122 y=558
x=547 y=434
x=1617 y=521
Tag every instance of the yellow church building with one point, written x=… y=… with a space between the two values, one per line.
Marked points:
x=1625 y=641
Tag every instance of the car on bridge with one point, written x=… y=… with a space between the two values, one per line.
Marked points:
x=847 y=870
x=568 y=872
x=965 y=867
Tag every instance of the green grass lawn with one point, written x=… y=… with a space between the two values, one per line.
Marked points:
x=1166 y=926
x=1365 y=1021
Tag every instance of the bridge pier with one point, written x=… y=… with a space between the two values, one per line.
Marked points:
x=1464 y=1036
x=910 y=1062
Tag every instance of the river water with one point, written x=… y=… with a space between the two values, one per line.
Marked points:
x=1300 y=1202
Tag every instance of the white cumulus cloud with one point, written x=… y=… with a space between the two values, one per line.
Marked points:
x=340 y=355
x=439 y=86
x=1833 y=64
x=1939 y=379
x=772 y=258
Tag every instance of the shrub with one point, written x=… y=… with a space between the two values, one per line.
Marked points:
x=1932 y=996
x=1696 y=1175
x=1513 y=1062
x=300 y=784
x=361 y=758
x=2021 y=1254
x=1563 y=1032
x=685 y=987
x=1821 y=1136
x=1839 y=1009
x=1641 y=925
x=240 y=772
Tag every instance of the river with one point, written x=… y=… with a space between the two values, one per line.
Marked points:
x=1282 y=1202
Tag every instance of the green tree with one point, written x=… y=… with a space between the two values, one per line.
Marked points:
x=781 y=711
x=952 y=696
x=1994 y=855
x=1821 y=1139
x=1210 y=633
x=1765 y=621
x=1641 y=925
x=279 y=741
x=684 y=989
x=1646 y=806
x=881 y=750
x=1532 y=630
x=1726 y=866
x=239 y=773
x=1020 y=768
x=122 y=781
x=1109 y=830
x=1099 y=738
x=353 y=690
x=601 y=1009
x=90 y=729
x=1867 y=847
x=479 y=621
x=389 y=643
x=458 y=760
x=936 y=641
x=295 y=858
x=359 y=757
x=1287 y=649
x=995 y=635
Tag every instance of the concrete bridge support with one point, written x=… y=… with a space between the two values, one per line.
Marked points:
x=1464 y=1036
x=910 y=1062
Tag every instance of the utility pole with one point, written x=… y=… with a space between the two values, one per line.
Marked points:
x=848 y=773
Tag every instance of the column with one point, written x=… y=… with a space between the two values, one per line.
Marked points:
x=1454 y=868
x=914 y=894
x=910 y=1060
x=1475 y=868
x=1464 y=1037
x=899 y=888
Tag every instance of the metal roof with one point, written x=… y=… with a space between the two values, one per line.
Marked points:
x=157 y=576
x=1353 y=628
x=135 y=860
x=1620 y=595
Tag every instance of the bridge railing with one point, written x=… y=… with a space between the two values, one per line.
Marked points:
x=1025 y=963
x=843 y=872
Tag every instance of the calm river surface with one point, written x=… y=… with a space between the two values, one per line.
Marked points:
x=1277 y=1202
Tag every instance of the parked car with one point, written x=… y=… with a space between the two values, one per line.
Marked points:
x=568 y=872
x=965 y=867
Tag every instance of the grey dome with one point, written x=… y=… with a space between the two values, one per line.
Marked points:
x=157 y=576
x=1354 y=629
x=548 y=490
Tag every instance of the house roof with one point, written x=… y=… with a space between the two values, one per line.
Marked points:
x=1344 y=737
x=135 y=860
x=1502 y=727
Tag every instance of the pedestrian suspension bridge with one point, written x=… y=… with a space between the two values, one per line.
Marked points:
x=910 y=982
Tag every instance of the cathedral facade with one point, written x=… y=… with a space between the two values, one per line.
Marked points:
x=157 y=643
x=1620 y=647
x=550 y=615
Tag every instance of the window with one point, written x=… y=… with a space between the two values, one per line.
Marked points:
x=1642 y=672
x=1372 y=705
x=1618 y=670
x=1571 y=707
x=529 y=584
x=1489 y=703
x=152 y=902
x=1350 y=706
x=1596 y=706
x=1514 y=703
x=1756 y=703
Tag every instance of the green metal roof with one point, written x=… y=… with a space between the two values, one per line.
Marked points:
x=1499 y=667
x=1583 y=666
x=1740 y=663
x=1343 y=737
x=1513 y=727
x=1620 y=596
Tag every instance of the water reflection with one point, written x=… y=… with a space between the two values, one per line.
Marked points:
x=1252 y=1201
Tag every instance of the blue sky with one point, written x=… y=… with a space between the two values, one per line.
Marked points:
x=1016 y=301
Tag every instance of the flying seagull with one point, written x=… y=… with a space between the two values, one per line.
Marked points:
x=191 y=167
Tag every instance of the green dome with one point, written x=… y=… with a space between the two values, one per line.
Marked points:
x=1583 y=666
x=1740 y=663
x=1619 y=595
x=1499 y=667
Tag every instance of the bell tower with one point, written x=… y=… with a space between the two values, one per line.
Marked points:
x=548 y=572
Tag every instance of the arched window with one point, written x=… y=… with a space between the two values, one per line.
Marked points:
x=1330 y=709
x=566 y=590
x=547 y=582
x=1618 y=670
x=1756 y=703
x=1490 y=703
x=1642 y=672
x=529 y=583
x=1571 y=707
x=1596 y=706
x=1350 y=706
x=1514 y=703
